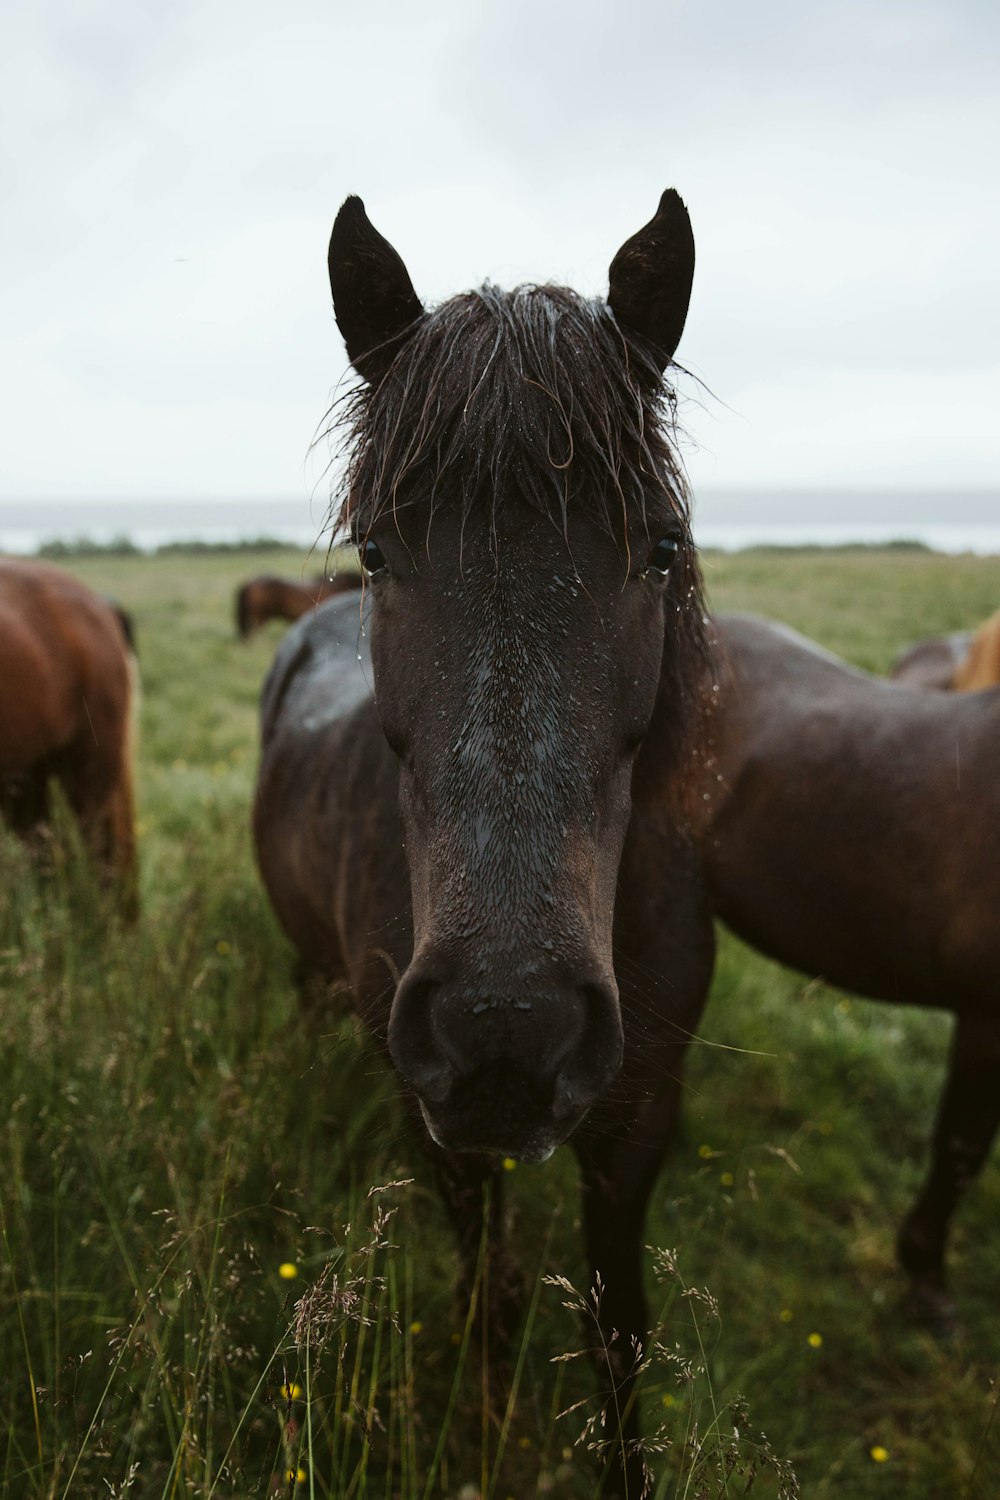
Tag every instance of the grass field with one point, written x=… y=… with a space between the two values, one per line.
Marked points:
x=190 y=1247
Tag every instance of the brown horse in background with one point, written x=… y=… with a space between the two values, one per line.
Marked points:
x=853 y=832
x=271 y=598
x=66 y=672
x=484 y=849
x=981 y=667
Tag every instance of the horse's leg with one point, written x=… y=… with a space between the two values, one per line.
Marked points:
x=98 y=786
x=968 y=1116
x=119 y=838
x=664 y=954
x=617 y=1177
x=471 y=1188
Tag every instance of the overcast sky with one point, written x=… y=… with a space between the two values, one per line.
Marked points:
x=170 y=174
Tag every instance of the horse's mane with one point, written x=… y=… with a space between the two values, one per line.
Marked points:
x=535 y=391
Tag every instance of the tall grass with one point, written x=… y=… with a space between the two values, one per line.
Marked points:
x=200 y=1294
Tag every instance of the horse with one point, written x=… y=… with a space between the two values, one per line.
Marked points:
x=466 y=791
x=271 y=598
x=981 y=667
x=850 y=829
x=66 y=681
x=933 y=661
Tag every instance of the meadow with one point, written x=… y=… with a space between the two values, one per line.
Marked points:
x=224 y=1273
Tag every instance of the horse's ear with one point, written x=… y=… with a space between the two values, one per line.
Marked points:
x=373 y=297
x=650 y=277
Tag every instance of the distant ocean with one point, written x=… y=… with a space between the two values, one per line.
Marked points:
x=729 y=520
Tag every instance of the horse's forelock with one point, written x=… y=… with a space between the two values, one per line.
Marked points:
x=537 y=392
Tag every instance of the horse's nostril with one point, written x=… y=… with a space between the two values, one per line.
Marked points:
x=588 y=1067
x=412 y=1044
x=432 y=1081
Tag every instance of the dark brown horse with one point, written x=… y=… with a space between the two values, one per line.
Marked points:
x=65 y=698
x=271 y=598
x=853 y=832
x=454 y=847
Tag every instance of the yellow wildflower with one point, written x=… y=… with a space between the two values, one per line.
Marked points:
x=509 y=1164
x=815 y=1341
x=288 y=1270
x=879 y=1454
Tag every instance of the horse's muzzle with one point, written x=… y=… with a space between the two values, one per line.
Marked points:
x=512 y=1074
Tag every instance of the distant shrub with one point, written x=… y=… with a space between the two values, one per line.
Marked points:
x=85 y=546
x=897 y=544
x=195 y=546
x=56 y=548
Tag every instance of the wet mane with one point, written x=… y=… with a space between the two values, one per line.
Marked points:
x=535 y=392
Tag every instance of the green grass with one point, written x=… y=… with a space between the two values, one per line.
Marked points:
x=175 y=1132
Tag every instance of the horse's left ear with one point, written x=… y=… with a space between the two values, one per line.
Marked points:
x=650 y=277
x=373 y=297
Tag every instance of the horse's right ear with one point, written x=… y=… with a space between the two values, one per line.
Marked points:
x=373 y=297
x=650 y=278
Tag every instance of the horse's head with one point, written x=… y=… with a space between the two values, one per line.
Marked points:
x=522 y=524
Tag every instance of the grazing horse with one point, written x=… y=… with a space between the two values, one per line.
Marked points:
x=271 y=598
x=65 y=699
x=933 y=662
x=981 y=668
x=852 y=830
x=487 y=848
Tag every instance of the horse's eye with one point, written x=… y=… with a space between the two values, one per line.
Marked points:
x=371 y=557
x=662 y=556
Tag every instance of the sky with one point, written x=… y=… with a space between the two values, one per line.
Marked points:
x=170 y=175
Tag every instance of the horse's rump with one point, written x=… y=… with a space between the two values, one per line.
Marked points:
x=65 y=698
